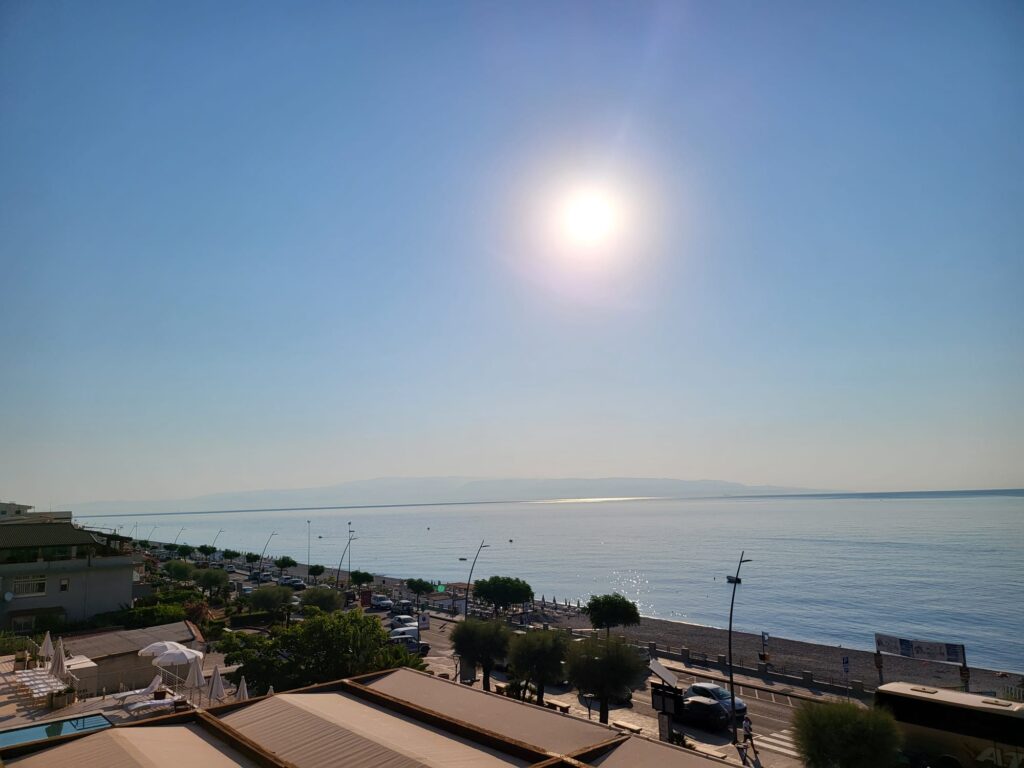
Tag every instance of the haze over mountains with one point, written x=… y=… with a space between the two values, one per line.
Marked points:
x=434 y=490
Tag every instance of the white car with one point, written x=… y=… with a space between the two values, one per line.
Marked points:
x=382 y=602
x=398 y=622
x=413 y=632
x=230 y=568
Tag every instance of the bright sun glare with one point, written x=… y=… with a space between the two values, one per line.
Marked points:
x=589 y=217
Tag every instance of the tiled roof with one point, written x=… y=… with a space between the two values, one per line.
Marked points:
x=43 y=535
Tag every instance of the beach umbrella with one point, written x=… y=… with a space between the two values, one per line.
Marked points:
x=46 y=649
x=195 y=680
x=58 y=668
x=160 y=647
x=270 y=691
x=177 y=657
x=242 y=692
x=216 y=689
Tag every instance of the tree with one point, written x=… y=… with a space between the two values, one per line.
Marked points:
x=326 y=600
x=358 y=578
x=327 y=646
x=285 y=562
x=211 y=579
x=502 y=592
x=185 y=549
x=614 y=610
x=845 y=735
x=231 y=554
x=179 y=570
x=270 y=599
x=419 y=587
x=144 y=543
x=604 y=668
x=171 y=547
x=206 y=549
x=537 y=657
x=251 y=557
x=481 y=642
x=316 y=571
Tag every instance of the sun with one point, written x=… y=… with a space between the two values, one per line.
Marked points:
x=589 y=217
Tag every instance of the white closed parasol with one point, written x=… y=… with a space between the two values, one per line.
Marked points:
x=242 y=692
x=216 y=690
x=58 y=668
x=46 y=649
x=177 y=657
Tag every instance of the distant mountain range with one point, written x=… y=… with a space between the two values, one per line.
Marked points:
x=436 y=490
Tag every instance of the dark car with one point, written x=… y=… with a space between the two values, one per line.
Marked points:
x=719 y=694
x=703 y=712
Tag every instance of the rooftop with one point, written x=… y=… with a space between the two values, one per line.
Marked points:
x=118 y=641
x=57 y=534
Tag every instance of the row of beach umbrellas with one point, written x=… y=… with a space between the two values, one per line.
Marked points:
x=54 y=655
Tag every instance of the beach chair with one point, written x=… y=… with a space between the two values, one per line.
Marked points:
x=146 y=692
x=152 y=705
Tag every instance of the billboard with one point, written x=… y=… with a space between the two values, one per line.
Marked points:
x=920 y=649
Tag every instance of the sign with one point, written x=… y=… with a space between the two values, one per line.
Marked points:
x=764 y=638
x=921 y=649
x=423 y=621
x=846 y=665
x=441 y=587
x=659 y=669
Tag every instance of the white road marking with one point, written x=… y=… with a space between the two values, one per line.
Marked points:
x=780 y=741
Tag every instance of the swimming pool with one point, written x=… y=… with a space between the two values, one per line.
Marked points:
x=53 y=729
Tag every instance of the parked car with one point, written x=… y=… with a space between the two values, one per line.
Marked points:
x=230 y=568
x=412 y=645
x=703 y=712
x=718 y=694
x=381 y=602
x=403 y=607
x=413 y=632
x=403 y=621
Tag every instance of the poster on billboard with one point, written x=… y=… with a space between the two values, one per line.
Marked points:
x=921 y=649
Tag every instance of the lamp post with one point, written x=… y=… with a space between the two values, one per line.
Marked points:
x=351 y=538
x=469 y=582
x=734 y=580
x=214 y=542
x=150 y=537
x=272 y=535
x=307 y=551
x=179 y=534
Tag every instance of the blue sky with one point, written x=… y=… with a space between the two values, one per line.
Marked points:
x=250 y=245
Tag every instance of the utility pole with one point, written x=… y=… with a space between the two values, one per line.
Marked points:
x=469 y=583
x=214 y=542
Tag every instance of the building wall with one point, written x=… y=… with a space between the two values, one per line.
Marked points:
x=97 y=586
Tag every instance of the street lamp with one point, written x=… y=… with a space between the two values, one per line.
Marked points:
x=150 y=537
x=176 y=537
x=214 y=542
x=272 y=535
x=307 y=551
x=337 y=579
x=350 y=540
x=734 y=580
x=469 y=582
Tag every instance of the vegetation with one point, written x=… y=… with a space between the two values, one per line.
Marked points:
x=171 y=547
x=316 y=571
x=251 y=557
x=358 y=578
x=211 y=580
x=185 y=549
x=232 y=554
x=283 y=563
x=206 y=549
x=536 y=659
x=419 y=587
x=326 y=600
x=481 y=642
x=604 y=668
x=137 y=618
x=845 y=735
x=179 y=570
x=327 y=646
x=502 y=592
x=270 y=599
x=614 y=610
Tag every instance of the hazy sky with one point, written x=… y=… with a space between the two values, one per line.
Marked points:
x=250 y=245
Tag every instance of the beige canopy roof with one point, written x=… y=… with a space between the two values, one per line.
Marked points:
x=639 y=752
x=312 y=729
x=165 y=746
x=541 y=728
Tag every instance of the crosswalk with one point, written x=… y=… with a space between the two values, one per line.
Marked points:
x=780 y=741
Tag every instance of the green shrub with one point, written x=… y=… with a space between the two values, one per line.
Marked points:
x=843 y=735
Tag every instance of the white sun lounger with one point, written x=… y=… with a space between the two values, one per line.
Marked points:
x=151 y=704
x=152 y=688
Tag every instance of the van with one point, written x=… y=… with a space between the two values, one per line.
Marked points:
x=413 y=632
x=411 y=645
x=381 y=602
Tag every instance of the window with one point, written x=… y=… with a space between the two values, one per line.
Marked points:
x=30 y=586
x=23 y=625
x=65 y=585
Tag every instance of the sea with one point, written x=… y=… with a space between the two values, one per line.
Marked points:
x=831 y=569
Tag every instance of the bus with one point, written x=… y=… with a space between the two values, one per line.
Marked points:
x=948 y=729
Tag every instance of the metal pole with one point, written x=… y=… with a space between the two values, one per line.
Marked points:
x=176 y=537
x=272 y=535
x=341 y=562
x=350 y=532
x=469 y=583
x=214 y=542
x=734 y=580
x=307 y=551
x=150 y=537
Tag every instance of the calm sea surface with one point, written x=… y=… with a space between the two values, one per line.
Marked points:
x=829 y=570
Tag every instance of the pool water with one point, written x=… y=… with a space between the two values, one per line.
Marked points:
x=53 y=729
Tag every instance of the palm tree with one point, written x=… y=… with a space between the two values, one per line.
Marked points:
x=604 y=668
x=537 y=657
x=481 y=642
